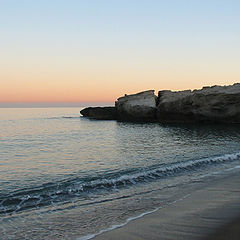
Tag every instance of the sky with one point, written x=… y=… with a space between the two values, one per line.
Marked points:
x=78 y=51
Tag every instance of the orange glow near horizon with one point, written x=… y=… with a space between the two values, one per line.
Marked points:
x=104 y=88
x=83 y=92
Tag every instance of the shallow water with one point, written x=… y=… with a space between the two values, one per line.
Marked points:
x=63 y=176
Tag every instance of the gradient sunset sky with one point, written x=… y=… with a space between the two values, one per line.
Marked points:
x=97 y=50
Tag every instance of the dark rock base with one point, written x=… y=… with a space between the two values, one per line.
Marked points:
x=100 y=113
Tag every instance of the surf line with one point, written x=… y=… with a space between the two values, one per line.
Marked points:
x=90 y=236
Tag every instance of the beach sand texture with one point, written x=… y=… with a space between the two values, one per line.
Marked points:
x=211 y=212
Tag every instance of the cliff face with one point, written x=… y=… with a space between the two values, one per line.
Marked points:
x=137 y=107
x=210 y=104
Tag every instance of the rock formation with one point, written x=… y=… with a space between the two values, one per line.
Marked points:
x=137 y=107
x=210 y=104
x=100 y=113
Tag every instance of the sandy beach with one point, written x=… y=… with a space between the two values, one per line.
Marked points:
x=210 y=212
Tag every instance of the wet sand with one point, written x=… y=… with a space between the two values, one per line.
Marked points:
x=230 y=231
x=210 y=212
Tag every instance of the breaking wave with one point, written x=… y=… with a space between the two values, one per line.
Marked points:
x=73 y=189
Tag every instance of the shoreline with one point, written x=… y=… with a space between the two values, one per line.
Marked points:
x=210 y=212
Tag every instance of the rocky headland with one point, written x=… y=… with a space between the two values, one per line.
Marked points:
x=210 y=104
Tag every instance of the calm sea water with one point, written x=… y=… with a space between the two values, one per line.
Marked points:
x=65 y=177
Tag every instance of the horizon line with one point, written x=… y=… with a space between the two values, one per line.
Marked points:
x=53 y=104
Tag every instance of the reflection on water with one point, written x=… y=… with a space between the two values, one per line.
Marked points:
x=55 y=163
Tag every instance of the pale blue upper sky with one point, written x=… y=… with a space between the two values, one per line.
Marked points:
x=122 y=23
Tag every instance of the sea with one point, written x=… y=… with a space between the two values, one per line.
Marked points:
x=63 y=176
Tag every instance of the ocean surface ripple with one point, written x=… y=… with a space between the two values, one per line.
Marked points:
x=55 y=163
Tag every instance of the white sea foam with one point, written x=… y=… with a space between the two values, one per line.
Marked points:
x=158 y=172
x=230 y=169
x=112 y=183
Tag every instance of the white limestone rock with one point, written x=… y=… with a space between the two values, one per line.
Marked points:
x=210 y=104
x=137 y=107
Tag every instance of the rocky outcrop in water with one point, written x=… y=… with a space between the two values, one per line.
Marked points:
x=210 y=104
x=137 y=107
x=100 y=113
